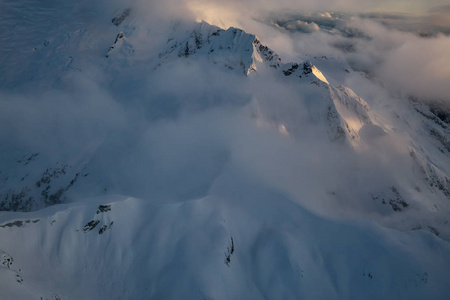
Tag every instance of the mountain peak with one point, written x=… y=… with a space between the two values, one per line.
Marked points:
x=233 y=47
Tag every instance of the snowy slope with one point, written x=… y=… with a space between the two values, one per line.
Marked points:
x=144 y=160
x=233 y=48
x=139 y=249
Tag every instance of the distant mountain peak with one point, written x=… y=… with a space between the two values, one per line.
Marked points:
x=233 y=47
x=244 y=53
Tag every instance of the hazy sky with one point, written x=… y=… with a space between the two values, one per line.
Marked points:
x=411 y=6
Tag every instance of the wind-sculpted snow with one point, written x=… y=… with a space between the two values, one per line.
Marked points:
x=244 y=241
x=149 y=158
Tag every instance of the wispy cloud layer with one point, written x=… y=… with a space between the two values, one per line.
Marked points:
x=403 y=45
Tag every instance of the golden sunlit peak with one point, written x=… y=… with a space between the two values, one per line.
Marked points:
x=282 y=129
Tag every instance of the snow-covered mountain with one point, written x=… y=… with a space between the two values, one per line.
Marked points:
x=143 y=160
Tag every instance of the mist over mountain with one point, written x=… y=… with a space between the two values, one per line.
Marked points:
x=195 y=149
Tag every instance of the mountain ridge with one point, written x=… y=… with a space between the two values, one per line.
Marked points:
x=190 y=161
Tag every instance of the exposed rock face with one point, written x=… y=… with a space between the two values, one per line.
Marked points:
x=117 y=20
